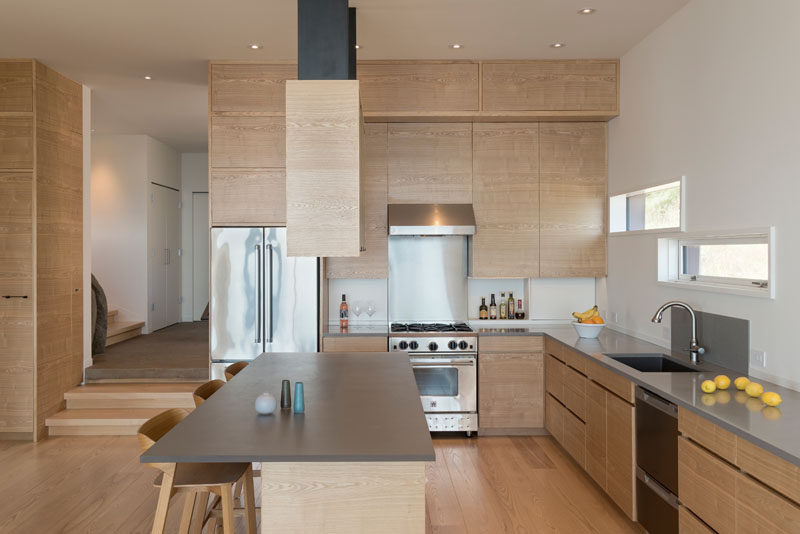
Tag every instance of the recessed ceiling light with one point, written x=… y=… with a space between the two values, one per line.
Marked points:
x=148 y=77
x=358 y=47
x=254 y=46
x=557 y=45
x=586 y=11
x=456 y=46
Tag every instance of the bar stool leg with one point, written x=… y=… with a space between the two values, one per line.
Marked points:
x=167 y=481
x=186 y=515
x=202 y=507
x=227 y=508
x=250 y=501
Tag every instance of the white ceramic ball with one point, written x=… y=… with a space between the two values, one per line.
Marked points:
x=266 y=404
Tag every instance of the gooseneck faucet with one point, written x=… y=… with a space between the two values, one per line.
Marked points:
x=694 y=349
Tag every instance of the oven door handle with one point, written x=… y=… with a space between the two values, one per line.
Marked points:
x=443 y=364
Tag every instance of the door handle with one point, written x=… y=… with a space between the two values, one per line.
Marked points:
x=269 y=295
x=259 y=294
x=657 y=402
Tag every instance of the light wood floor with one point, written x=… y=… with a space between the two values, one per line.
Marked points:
x=486 y=485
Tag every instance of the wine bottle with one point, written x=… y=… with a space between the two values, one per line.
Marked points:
x=343 y=314
x=510 y=304
x=503 y=305
x=492 y=309
x=483 y=310
x=519 y=313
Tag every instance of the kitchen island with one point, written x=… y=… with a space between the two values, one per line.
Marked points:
x=353 y=462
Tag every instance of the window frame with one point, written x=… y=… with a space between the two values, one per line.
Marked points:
x=670 y=263
x=681 y=181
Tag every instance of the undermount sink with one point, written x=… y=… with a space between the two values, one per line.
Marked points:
x=652 y=363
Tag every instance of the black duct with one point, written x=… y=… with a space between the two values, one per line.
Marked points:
x=326 y=39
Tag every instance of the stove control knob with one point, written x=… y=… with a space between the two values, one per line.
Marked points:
x=403 y=345
x=413 y=345
x=452 y=345
x=432 y=346
x=462 y=345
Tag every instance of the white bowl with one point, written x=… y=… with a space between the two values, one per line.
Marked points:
x=588 y=330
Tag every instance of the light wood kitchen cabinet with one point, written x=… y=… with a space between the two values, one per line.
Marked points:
x=713 y=437
x=554 y=371
x=546 y=85
x=430 y=163
x=355 y=343
x=250 y=87
x=572 y=177
x=596 y=433
x=324 y=189
x=510 y=384
x=418 y=86
x=373 y=263
x=707 y=486
x=574 y=437
x=688 y=523
x=616 y=384
x=505 y=197
x=575 y=392
x=248 y=199
x=554 y=418
x=248 y=142
x=621 y=454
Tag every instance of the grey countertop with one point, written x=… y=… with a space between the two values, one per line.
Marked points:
x=356 y=330
x=358 y=407
x=730 y=409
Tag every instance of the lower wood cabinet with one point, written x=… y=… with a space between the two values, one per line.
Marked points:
x=596 y=433
x=689 y=524
x=554 y=418
x=355 y=343
x=621 y=454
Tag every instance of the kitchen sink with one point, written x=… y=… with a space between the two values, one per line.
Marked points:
x=652 y=363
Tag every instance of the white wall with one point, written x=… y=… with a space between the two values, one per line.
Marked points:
x=119 y=221
x=163 y=164
x=87 y=227
x=363 y=291
x=194 y=179
x=713 y=94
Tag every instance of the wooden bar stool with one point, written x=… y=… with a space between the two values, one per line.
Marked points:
x=196 y=479
x=204 y=391
x=233 y=369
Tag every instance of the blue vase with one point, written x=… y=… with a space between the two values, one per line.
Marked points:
x=299 y=398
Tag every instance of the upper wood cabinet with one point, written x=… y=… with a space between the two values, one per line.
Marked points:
x=248 y=198
x=551 y=85
x=419 y=86
x=373 y=262
x=505 y=197
x=248 y=142
x=16 y=86
x=324 y=197
x=250 y=87
x=430 y=163
x=572 y=175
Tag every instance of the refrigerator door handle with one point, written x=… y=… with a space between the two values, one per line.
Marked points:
x=269 y=297
x=259 y=294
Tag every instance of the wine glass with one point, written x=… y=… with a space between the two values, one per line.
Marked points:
x=357 y=308
x=371 y=309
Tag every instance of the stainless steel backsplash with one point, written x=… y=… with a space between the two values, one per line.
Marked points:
x=428 y=278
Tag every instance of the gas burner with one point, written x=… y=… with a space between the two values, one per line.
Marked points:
x=419 y=328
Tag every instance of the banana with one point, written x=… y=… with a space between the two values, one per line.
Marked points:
x=588 y=314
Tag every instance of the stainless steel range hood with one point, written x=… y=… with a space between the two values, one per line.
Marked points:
x=431 y=219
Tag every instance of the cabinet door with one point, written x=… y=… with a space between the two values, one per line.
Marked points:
x=575 y=392
x=596 y=437
x=505 y=197
x=554 y=376
x=572 y=177
x=373 y=262
x=248 y=87
x=759 y=509
x=689 y=524
x=707 y=485
x=430 y=163
x=248 y=198
x=620 y=454
x=574 y=437
x=554 y=418
x=248 y=142
x=511 y=390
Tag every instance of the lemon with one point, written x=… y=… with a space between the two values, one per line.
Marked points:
x=771 y=412
x=741 y=382
x=754 y=389
x=722 y=381
x=708 y=400
x=723 y=397
x=771 y=398
x=709 y=386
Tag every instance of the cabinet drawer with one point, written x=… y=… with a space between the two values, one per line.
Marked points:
x=556 y=348
x=574 y=359
x=611 y=381
x=707 y=485
x=712 y=437
x=759 y=509
x=575 y=392
x=355 y=344
x=554 y=418
x=510 y=344
x=775 y=472
x=574 y=437
x=554 y=376
x=689 y=524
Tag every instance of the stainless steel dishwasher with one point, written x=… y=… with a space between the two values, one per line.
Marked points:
x=657 y=463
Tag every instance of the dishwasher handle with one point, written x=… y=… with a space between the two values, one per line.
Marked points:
x=656 y=402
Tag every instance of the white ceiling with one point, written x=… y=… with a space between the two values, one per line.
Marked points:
x=110 y=45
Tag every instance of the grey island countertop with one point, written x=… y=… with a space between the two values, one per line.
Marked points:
x=359 y=407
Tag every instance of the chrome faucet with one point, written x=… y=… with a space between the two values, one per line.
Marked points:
x=694 y=349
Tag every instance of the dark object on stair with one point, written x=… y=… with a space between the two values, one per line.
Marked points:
x=204 y=317
x=100 y=317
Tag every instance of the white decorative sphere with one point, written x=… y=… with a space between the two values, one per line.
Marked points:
x=266 y=404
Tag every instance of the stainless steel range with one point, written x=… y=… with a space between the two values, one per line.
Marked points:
x=444 y=357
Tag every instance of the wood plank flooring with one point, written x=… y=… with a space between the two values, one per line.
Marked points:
x=483 y=485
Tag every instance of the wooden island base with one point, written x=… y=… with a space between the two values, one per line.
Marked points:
x=343 y=497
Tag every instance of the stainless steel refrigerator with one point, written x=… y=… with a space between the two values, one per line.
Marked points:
x=261 y=299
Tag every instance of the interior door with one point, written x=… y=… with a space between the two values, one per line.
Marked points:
x=172 y=216
x=156 y=259
x=199 y=254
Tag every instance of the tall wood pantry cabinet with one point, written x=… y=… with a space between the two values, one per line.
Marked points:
x=41 y=245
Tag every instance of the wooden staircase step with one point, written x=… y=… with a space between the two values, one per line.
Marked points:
x=99 y=422
x=122 y=330
x=112 y=316
x=132 y=395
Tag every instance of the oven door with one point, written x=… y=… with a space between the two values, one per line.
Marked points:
x=446 y=384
